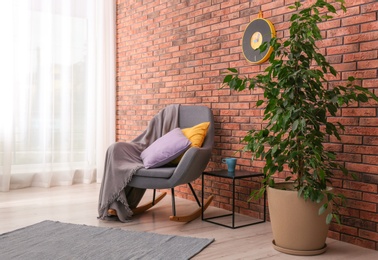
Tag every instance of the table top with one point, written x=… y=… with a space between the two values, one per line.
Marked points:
x=235 y=175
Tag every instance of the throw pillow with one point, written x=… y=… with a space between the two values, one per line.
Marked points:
x=165 y=149
x=196 y=135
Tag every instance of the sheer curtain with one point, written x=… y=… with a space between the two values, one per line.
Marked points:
x=57 y=91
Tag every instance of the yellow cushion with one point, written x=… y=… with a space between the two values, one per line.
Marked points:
x=196 y=135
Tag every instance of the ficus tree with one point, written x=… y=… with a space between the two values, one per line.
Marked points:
x=298 y=98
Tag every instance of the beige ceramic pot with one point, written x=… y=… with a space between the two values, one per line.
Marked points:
x=297 y=227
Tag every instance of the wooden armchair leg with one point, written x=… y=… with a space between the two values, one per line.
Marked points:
x=142 y=208
x=148 y=205
x=195 y=214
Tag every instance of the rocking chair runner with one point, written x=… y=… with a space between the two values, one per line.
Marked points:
x=190 y=167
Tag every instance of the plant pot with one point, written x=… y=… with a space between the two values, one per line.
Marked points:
x=297 y=227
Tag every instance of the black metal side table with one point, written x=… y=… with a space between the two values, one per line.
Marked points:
x=236 y=175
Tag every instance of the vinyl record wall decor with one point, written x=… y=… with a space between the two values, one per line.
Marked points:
x=258 y=31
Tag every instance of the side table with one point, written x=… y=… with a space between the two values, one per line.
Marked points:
x=234 y=176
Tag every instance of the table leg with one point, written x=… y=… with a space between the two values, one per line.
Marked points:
x=203 y=195
x=233 y=203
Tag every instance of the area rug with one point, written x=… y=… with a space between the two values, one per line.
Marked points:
x=56 y=240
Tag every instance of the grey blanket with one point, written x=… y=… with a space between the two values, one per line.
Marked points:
x=123 y=161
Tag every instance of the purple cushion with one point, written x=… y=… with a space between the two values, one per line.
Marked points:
x=165 y=149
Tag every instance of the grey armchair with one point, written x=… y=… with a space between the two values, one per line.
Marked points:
x=190 y=167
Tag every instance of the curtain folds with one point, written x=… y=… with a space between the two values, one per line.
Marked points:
x=57 y=96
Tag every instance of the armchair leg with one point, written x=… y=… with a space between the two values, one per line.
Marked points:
x=149 y=205
x=194 y=194
x=195 y=214
x=173 y=202
x=142 y=208
x=153 y=197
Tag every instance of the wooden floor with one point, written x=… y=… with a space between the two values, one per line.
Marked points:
x=78 y=204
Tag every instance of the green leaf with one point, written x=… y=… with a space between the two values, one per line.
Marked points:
x=360 y=88
x=263 y=47
x=259 y=102
x=351 y=78
x=333 y=71
x=295 y=125
x=329 y=218
x=332 y=109
x=233 y=70
x=331 y=8
x=300 y=191
x=362 y=98
x=321 y=174
x=274 y=149
x=354 y=176
x=227 y=79
x=294 y=17
x=337 y=219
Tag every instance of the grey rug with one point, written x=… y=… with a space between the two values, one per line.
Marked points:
x=56 y=240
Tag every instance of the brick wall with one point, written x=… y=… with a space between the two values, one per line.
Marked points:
x=174 y=51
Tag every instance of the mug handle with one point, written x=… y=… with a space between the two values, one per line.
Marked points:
x=223 y=160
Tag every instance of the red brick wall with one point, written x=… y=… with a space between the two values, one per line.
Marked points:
x=173 y=51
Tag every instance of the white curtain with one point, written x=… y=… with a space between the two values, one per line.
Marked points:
x=57 y=91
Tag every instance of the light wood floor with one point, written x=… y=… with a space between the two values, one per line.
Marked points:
x=78 y=204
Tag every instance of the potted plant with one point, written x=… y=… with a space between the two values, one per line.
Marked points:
x=298 y=98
